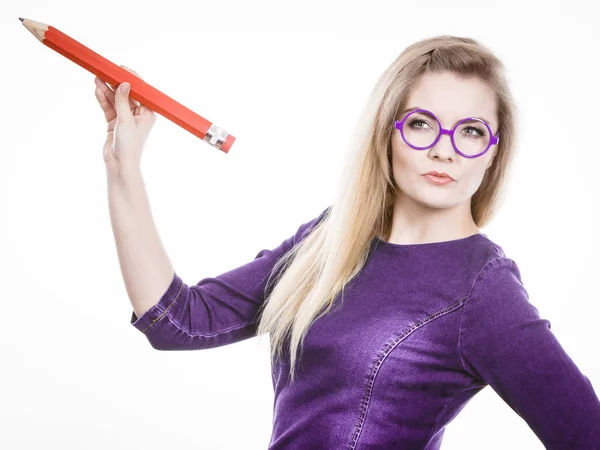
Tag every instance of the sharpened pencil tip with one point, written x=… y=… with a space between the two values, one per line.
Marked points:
x=21 y=19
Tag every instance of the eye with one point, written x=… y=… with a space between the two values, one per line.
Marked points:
x=477 y=130
x=415 y=121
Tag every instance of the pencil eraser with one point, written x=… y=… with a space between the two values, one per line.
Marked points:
x=226 y=145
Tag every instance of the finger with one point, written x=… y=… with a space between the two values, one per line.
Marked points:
x=109 y=91
x=143 y=108
x=124 y=112
x=106 y=90
x=105 y=104
x=133 y=103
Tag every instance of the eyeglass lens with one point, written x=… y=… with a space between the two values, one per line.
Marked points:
x=421 y=129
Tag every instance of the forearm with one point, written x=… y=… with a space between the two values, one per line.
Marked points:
x=146 y=268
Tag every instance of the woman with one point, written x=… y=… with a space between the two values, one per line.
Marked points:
x=390 y=310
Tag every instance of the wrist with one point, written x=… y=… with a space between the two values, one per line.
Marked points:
x=115 y=173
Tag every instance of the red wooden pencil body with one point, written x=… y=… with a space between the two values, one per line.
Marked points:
x=141 y=91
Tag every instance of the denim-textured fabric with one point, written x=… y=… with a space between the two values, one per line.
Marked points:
x=421 y=330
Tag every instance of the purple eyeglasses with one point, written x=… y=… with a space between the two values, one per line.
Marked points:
x=493 y=140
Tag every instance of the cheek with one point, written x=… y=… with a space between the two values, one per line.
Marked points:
x=403 y=157
x=473 y=177
x=406 y=166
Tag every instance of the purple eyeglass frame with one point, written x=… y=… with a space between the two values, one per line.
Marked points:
x=399 y=124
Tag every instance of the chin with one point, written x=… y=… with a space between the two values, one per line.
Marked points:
x=439 y=204
x=436 y=200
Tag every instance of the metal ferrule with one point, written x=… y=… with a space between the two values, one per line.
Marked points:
x=215 y=136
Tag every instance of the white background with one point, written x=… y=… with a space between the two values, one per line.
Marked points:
x=288 y=79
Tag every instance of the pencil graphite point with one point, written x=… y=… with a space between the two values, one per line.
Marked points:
x=21 y=19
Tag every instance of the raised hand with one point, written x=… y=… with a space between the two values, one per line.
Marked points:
x=128 y=126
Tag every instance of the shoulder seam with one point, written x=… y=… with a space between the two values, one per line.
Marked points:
x=479 y=274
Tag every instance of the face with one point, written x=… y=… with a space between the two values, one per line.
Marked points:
x=451 y=99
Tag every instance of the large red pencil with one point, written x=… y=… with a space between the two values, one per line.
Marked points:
x=140 y=90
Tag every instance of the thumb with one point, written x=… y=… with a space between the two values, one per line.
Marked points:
x=122 y=102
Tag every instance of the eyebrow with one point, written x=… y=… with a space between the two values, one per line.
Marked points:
x=418 y=107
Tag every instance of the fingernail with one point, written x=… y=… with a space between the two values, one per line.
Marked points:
x=125 y=88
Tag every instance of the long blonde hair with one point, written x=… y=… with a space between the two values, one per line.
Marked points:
x=321 y=264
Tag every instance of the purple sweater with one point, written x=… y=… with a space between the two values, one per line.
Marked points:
x=421 y=330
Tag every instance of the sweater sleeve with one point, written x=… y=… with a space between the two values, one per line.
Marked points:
x=217 y=310
x=505 y=343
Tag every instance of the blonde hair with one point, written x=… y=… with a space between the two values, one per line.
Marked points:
x=321 y=264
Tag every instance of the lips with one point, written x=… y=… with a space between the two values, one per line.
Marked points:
x=439 y=174
x=440 y=181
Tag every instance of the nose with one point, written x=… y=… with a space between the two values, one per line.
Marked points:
x=444 y=148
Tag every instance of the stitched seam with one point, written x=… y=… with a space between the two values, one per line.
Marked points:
x=463 y=310
x=376 y=365
x=165 y=311
x=208 y=335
